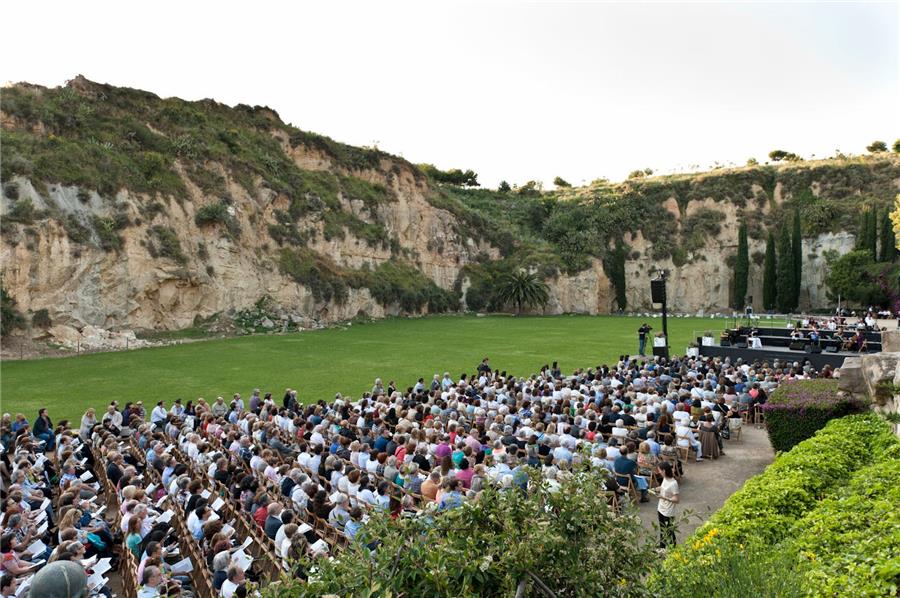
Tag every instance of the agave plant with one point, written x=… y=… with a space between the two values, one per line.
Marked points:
x=523 y=289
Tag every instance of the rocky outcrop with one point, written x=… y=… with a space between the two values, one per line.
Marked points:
x=877 y=377
x=83 y=284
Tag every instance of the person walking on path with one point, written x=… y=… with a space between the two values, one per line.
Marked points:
x=665 y=510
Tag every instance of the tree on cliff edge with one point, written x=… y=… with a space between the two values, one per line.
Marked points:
x=770 y=292
x=741 y=269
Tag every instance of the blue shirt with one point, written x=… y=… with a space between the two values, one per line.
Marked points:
x=450 y=500
x=351 y=528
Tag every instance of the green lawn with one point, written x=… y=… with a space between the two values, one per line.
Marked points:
x=323 y=362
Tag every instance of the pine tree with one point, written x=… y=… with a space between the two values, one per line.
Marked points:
x=741 y=269
x=797 y=252
x=872 y=234
x=888 y=240
x=769 y=281
x=784 y=277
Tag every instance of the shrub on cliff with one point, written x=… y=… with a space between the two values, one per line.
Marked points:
x=797 y=410
x=9 y=310
x=217 y=213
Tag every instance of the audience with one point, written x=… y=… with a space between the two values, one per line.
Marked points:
x=179 y=493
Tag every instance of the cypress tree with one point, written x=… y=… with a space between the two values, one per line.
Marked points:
x=784 y=277
x=797 y=252
x=863 y=230
x=888 y=239
x=741 y=268
x=872 y=234
x=614 y=266
x=769 y=281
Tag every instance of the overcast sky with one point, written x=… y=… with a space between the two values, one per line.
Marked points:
x=513 y=90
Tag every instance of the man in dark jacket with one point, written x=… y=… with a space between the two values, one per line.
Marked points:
x=43 y=429
x=273 y=520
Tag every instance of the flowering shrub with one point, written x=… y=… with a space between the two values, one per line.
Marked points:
x=796 y=516
x=798 y=409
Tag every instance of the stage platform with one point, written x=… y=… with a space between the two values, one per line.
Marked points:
x=782 y=354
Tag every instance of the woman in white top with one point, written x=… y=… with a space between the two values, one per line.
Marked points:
x=665 y=510
x=88 y=421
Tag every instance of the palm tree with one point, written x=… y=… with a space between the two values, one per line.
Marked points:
x=523 y=288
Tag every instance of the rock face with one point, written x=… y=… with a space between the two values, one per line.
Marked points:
x=875 y=376
x=144 y=260
x=83 y=284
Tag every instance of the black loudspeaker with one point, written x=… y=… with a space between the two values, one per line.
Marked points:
x=658 y=291
x=725 y=343
x=831 y=349
x=815 y=348
x=741 y=345
x=797 y=346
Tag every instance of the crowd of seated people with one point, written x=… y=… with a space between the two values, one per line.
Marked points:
x=200 y=498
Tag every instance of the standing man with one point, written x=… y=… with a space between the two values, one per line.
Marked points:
x=665 y=510
x=643 y=331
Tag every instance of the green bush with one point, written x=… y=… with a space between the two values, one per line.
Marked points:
x=321 y=276
x=217 y=213
x=848 y=545
x=41 y=319
x=11 y=191
x=75 y=230
x=798 y=409
x=11 y=316
x=284 y=231
x=22 y=211
x=394 y=282
x=107 y=229
x=164 y=243
x=569 y=540
x=775 y=507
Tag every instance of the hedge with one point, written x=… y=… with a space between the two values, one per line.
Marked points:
x=798 y=409
x=777 y=512
x=848 y=546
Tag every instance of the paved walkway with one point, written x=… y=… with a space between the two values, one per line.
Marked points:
x=705 y=485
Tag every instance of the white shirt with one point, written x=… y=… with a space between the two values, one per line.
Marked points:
x=228 y=589
x=159 y=414
x=668 y=489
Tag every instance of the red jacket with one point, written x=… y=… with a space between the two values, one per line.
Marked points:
x=260 y=516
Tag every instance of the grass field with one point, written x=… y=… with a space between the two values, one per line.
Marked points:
x=321 y=363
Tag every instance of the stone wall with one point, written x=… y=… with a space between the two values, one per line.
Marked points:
x=876 y=376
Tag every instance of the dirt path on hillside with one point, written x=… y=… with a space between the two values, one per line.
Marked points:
x=706 y=485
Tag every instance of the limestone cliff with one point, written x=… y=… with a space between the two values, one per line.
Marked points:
x=122 y=210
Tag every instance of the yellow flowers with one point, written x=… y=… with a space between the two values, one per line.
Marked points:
x=706 y=539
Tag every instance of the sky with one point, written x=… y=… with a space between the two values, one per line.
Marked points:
x=513 y=90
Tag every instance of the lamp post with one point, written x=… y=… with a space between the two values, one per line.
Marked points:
x=658 y=295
